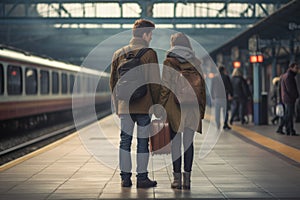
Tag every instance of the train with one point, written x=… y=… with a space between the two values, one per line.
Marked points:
x=32 y=88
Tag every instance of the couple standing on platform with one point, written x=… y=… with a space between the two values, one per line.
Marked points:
x=182 y=57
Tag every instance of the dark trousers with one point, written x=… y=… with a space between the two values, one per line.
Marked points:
x=281 y=123
x=238 y=109
x=226 y=113
x=289 y=118
x=142 y=156
x=188 y=138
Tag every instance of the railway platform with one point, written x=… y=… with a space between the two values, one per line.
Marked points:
x=247 y=162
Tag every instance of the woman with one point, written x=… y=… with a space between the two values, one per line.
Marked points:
x=182 y=118
x=275 y=98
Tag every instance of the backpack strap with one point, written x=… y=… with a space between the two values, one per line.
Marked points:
x=124 y=52
x=175 y=63
x=141 y=52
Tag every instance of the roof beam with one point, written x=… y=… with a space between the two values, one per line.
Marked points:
x=137 y=1
x=93 y=20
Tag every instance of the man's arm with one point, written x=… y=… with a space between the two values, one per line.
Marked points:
x=113 y=80
x=113 y=72
x=153 y=74
x=292 y=88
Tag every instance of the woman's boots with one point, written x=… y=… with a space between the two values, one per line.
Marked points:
x=177 y=183
x=186 y=180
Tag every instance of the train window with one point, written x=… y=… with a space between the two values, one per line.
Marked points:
x=106 y=85
x=98 y=89
x=14 y=80
x=44 y=80
x=55 y=83
x=64 y=83
x=90 y=84
x=78 y=84
x=83 y=84
x=103 y=85
x=72 y=80
x=1 y=79
x=30 y=81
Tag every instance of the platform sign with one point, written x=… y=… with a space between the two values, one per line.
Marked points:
x=256 y=58
x=260 y=58
x=253 y=43
x=220 y=58
x=235 y=53
x=253 y=59
x=236 y=64
x=293 y=26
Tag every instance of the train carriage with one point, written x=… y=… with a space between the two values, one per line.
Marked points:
x=33 y=86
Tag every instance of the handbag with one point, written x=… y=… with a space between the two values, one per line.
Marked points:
x=160 y=140
x=279 y=110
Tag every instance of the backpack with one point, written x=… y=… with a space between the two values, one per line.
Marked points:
x=127 y=85
x=187 y=84
x=185 y=92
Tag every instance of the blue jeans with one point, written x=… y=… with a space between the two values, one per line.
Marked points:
x=127 y=125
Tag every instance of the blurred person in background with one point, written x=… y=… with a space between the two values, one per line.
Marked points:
x=218 y=96
x=276 y=98
x=289 y=94
x=241 y=94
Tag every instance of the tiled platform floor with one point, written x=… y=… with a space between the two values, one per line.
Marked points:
x=233 y=169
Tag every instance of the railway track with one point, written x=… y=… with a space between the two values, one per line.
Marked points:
x=48 y=136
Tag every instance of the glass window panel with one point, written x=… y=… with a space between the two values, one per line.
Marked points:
x=14 y=80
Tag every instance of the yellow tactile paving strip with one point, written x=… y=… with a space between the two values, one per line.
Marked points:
x=274 y=145
x=285 y=150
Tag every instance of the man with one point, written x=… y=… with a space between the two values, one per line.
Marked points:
x=138 y=110
x=240 y=96
x=219 y=96
x=289 y=94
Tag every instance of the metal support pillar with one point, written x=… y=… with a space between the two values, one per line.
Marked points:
x=2 y=9
x=292 y=49
x=256 y=93
x=274 y=61
x=260 y=98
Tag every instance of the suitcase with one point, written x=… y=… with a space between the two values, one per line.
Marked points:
x=160 y=140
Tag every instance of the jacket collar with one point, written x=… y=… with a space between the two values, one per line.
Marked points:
x=137 y=41
x=292 y=72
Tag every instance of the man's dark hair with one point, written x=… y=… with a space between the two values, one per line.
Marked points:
x=292 y=65
x=142 y=26
x=221 y=69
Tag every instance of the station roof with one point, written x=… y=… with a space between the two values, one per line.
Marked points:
x=280 y=25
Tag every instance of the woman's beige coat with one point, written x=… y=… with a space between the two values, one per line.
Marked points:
x=188 y=116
